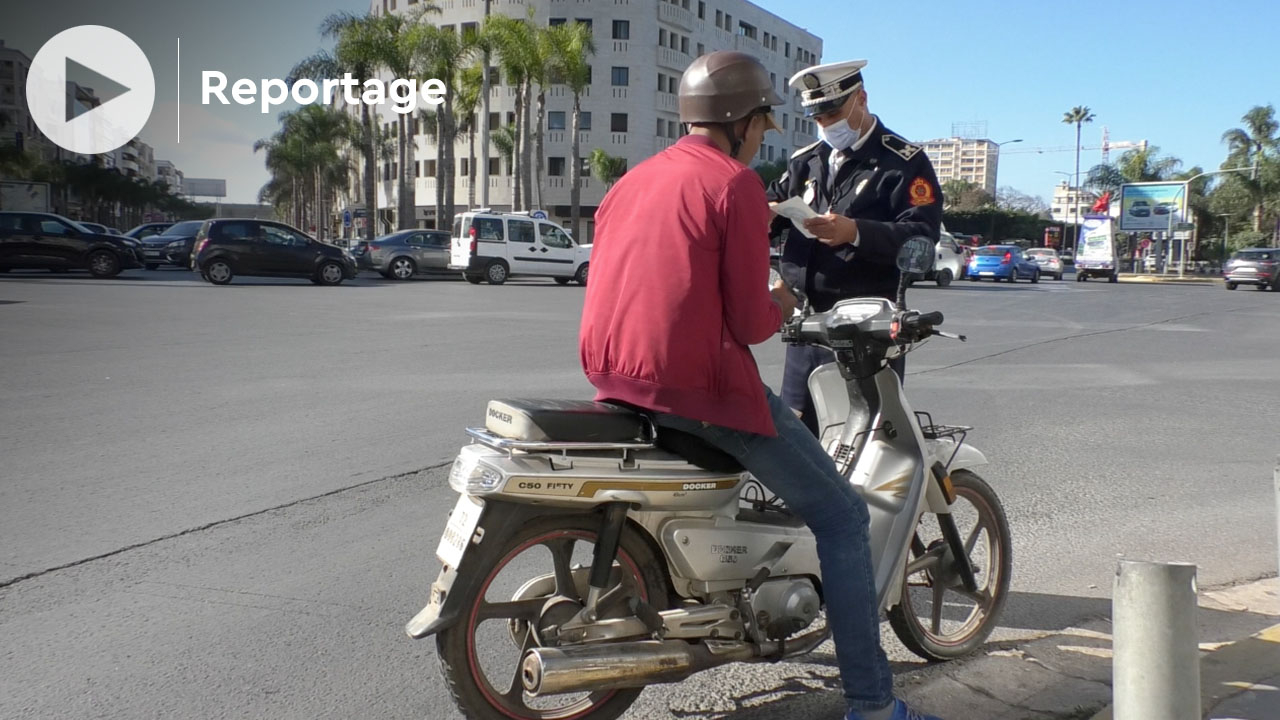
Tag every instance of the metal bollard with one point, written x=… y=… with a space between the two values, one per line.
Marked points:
x=1156 y=667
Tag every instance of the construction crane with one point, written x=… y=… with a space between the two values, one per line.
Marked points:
x=1106 y=147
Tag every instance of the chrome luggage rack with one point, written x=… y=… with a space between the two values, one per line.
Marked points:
x=510 y=445
x=933 y=431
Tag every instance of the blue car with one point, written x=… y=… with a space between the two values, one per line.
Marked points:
x=1003 y=262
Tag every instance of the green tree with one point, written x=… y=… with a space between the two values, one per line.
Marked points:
x=770 y=171
x=465 y=104
x=515 y=43
x=306 y=155
x=1255 y=145
x=606 y=167
x=964 y=195
x=443 y=54
x=572 y=48
x=1078 y=116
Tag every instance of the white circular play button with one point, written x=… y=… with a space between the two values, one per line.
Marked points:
x=96 y=58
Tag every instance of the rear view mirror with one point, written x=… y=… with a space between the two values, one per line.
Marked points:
x=916 y=256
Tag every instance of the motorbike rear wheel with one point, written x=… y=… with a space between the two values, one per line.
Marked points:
x=481 y=654
x=937 y=618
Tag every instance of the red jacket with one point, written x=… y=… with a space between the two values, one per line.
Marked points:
x=679 y=289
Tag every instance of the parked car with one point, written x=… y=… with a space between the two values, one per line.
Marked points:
x=1140 y=208
x=1048 y=260
x=495 y=246
x=99 y=228
x=146 y=230
x=951 y=260
x=173 y=246
x=1003 y=262
x=1163 y=208
x=1259 y=267
x=44 y=241
x=403 y=254
x=226 y=247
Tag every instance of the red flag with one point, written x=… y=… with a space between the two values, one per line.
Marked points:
x=1103 y=204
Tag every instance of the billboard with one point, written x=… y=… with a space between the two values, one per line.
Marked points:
x=1152 y=206
x=204 y=187
x=31 y=196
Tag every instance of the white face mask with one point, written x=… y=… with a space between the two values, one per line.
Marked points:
x=838 y=134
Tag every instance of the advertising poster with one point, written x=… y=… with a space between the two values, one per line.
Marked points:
x=1148 y=206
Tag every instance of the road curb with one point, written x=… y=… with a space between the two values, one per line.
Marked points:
x=1155 y=280
x=1232 y=669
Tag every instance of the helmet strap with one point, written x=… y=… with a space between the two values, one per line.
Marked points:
x=735 y=142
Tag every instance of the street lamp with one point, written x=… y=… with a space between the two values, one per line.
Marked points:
x=1226 y=234
x=1070 y=208
x=995 y=181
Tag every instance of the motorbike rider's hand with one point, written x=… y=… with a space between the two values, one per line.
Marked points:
x=833 y=230
x=785 y=299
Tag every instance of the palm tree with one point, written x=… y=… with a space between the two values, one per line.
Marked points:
x=1250 y=146
x=442 y=54
x=606 y=167
x=571 y=47
x=513 y=39
x=541 y=68
x=1078 y=116
x=306 y=155
x=354 y=53
x=465 y=102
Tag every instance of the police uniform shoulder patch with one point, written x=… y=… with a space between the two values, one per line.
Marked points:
x=899 y=146
x=805 y=149
x=921 y=192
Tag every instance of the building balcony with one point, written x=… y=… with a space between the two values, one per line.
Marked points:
x=675 y=15
x=672 y=59
x=663 y=143
x=750 y=46
x=801 y=139
x=667 y=102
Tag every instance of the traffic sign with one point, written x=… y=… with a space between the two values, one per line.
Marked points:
x=346 y=218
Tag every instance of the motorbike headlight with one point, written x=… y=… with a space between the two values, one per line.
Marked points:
x=471 y=476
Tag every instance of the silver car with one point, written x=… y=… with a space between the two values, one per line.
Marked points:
x=403 y=254
x=1048 y=260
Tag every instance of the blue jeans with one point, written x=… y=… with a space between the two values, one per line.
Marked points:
x=794 y=466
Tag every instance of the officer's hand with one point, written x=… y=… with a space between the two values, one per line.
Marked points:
x=785 y=299
x=833 y=230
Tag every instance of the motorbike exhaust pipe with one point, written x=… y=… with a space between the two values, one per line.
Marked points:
x=611 y=666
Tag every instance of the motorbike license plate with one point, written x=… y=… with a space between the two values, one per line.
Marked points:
x=458 y=531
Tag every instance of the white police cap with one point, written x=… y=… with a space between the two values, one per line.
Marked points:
x=823 y=88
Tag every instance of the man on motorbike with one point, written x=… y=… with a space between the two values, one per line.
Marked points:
x=677 y=296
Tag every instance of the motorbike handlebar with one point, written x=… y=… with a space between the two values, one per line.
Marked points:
x=929 y=319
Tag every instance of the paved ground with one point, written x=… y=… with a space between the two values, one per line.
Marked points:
x=222 y=502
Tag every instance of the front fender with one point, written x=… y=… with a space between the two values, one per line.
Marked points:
x=966 y=457
x=455 y=586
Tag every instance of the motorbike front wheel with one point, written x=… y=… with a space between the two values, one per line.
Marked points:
x=533 y=580
x=937 y=618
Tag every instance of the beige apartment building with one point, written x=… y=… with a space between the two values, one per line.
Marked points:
x=629 y=111
x=970 y=160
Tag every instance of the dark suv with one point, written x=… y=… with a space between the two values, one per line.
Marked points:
x=1254 y=266
x=227 y=247
x=45 y=241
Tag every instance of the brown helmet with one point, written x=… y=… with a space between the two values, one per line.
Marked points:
x=724 y=86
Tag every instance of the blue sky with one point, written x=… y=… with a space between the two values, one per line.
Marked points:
x=1175 y=73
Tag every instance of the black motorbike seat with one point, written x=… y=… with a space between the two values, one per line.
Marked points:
x=543 y=420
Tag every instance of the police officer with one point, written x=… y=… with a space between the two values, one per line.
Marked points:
x=873 y=189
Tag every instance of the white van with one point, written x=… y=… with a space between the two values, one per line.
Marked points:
x=493 y=246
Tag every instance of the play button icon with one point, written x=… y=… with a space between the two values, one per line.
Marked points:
x=97 y=59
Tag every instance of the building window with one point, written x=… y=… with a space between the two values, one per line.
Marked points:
x=702 y=10
x=784 y=121
x=728 y=22
x=662 y=127
x=675 y=41
x=465 y=167
x=765 y=42
x=495 y=166
x=662 y=37
x=684 y=45
x=584 y=21
x=584 y=123
x=787 y=50
x=417 y=168
x=673 y=84
x=774 y=45
x=621 y=29
x=618 y=122
x=719 y=18
x=430 y=168
x=557 y=21
x=469 y=29
x=585 y=170
x=770 y=153
x=555 y=166
x=495 y=77
x=662 y=82
x=495 y=119
x=702 y=49
x=621 y=76
x=673 y=129
x=511 y=118
x=555 y=120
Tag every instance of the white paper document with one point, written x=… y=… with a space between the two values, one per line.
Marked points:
x=797 y=210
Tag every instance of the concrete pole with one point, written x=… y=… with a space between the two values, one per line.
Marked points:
x=1156 y=669
x=1277 y=486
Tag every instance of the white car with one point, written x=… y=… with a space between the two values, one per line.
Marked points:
x=491 y=247
x=950 y=260
x=1048 y=260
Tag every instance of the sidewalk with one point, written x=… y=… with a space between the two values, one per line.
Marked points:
x=1189 y=278
x=1066 y=675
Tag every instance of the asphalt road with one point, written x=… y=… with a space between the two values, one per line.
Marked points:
x=224 y=502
